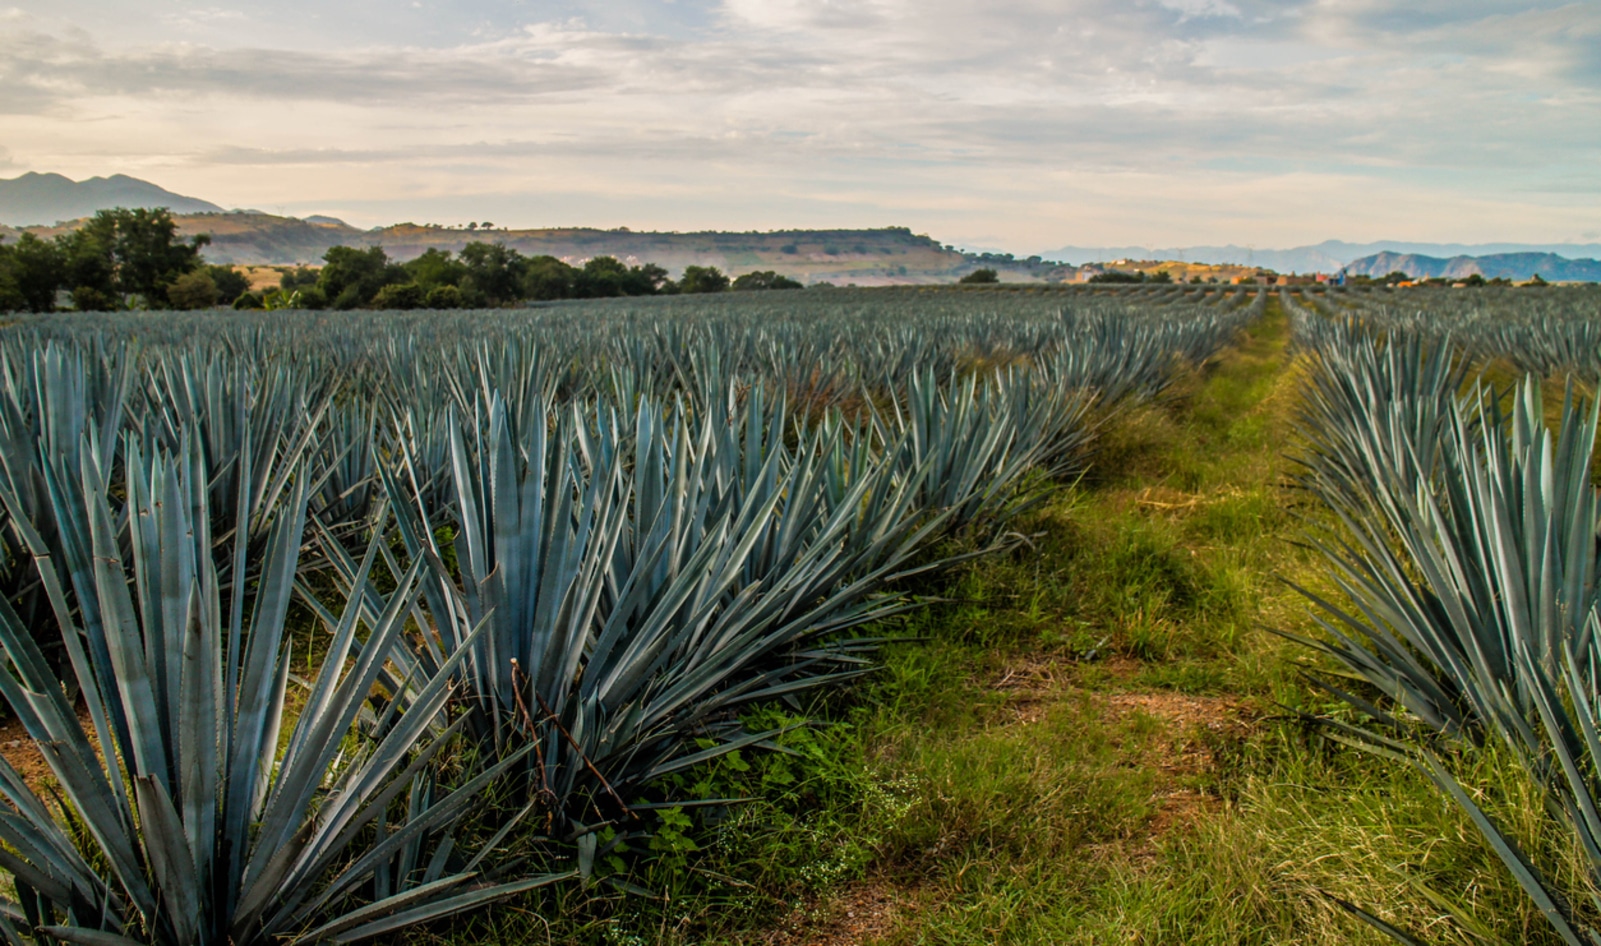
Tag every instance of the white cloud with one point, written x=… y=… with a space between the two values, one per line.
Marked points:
x=1031 y=119
x=1202 y=8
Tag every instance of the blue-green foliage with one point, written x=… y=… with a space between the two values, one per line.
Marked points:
x=1469 y=555
x=560 y=554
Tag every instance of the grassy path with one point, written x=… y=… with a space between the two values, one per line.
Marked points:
x=1112 y=675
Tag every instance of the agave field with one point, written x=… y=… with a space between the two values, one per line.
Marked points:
x=324 y=627
x=551 y=557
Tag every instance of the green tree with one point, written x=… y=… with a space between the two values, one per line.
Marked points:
x=443 y=297
x=88 y=262
x=702 y=279
x=494 y=273
x=196 y=290
x=600 y=278
x=980 y=277
x=90 y=299
x=298 y=278
x=230 y=282
x=436 y=268
x=765 y=279
x=352 y=277
x=11 y=298
x=546 y=278
x=130 y=253
x=30 y=272
x=400 y=295
x=606 y=276
x=646 y=280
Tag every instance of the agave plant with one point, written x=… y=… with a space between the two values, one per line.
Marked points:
x=629 y=608
x=1459 y=571
x=48 y=400
x=1375 y=415
x=252 y=422
x=1473 y=580
x=614 y=533
x=181 y=819
x=961 y=443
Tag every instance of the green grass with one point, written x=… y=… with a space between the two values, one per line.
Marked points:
x=1093 y=740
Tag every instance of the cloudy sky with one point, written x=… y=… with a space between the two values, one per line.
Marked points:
x=1019 y=125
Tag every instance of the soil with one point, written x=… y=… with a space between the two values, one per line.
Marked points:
x=862 y=913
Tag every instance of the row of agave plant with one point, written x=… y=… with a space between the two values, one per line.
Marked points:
x=823 y=347
x=1536 y=331
x=1467 y=550
x=534 y=607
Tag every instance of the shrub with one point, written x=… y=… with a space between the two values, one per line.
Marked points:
x=980 y=277
x=90 y=299
x=230 y=282
x=440 y=297
x=196 y=290
x=30 y=271
x=702 y=279
x=404 y=295
x=766 y=279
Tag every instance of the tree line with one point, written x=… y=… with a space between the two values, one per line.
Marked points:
x=483 y=275
x=120 y=259
x=134 y=259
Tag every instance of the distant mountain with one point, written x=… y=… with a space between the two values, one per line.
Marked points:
x=1326 y=257
x=34 y=199
x=1515 y=266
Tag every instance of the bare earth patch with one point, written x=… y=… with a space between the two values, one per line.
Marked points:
x=1030 y=687
x=24 y=756
x=1183 y=751
x=861 y=913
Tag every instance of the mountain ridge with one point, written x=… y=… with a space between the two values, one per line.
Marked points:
x=1519 y=267
x=1326 y=257
x=34 y=199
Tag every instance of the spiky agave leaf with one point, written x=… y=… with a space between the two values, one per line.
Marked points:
x=631 y=607
x=1460 y=563
x=218 y=836
x=1476 y=609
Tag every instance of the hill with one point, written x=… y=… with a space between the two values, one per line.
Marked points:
x=892 y=255
x=44 y=198
x=865 y=257
x=1515 y=266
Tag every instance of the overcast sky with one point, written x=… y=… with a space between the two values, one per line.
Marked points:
x=1019 y=125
